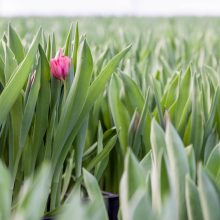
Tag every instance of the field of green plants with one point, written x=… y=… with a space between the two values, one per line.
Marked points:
x=129 y=106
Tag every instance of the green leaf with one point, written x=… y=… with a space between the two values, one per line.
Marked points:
x=75 y=100
x=85 y=211
x=15 y=44
x=184 y=92
x=67 y=175
x=95 y=89
x=5 y=199
x=98 y=86
x=36 y=193
x=210 y=122
x=103 y=154
x=75 y=48
x=140 y=130
x=157 y=100
x=191 y=161
x=140 y=206
x=181 y=126
x=53 y=46
x=30 y=105
x=48 y=51
x=178 y=166
x=99 y=169
x=170 y=92
x=159 y=174
x=157 y=138
x=10 y=63
x=194 y=210
x=133 y=96
x=132 y=130
x=212 y=163
x=118 y=111
x=42 y=107
x=16 y=83
x=68 y=44
x=146 y=163
x=80 y=144
x=94 y=192
x=131 y=182
x=2 y=77
x=134 y=173
x=197 y=127
x=209 y=196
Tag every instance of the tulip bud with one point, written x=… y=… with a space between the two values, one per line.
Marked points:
x=60 y=66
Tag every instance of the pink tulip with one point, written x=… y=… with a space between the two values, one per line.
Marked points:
x=60 y=66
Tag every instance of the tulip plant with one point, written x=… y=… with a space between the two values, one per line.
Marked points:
x=45 y=108
x=77 y=120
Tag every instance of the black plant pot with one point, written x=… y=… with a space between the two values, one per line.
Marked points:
x=112 y=204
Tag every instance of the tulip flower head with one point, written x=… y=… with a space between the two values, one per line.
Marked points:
x=60 y=66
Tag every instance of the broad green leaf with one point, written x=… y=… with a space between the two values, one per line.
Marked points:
x=211 y=142
x=181 y=126
x=170 y=93
x=103 y=154
x=94 y=192
x=10 y=63
x=131 y=182
x=2 y=77
x=146 y=163
x=75 y=208
x=75 y=48
x=197 y=130
x=209 y=196
x=133 y=129
x=184 y=92
x=80 y=144
x=140 y=206
x=42 y=107
x=210 y=122
x=191 y=161
x=68 y=44
x=101 y=60
x=119 y=114
x=75 y=100
x=141 y=128
x=5 y=200
x=133 y=96
x=158 y=143
x=30 y=105
x=158 y=149
x=97 y=87
x=67 y=175
x=15 y=44
x=16 y=83
x=179 y=167
x=194 y=210
x=157 y=100
x=102 y=165
x=212 y=163
x=134 y=174
x=36 y=193
x=53 y=46
x=48 y=51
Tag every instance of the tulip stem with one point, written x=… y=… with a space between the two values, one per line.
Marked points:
x=55 y=195
x=65 y=90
